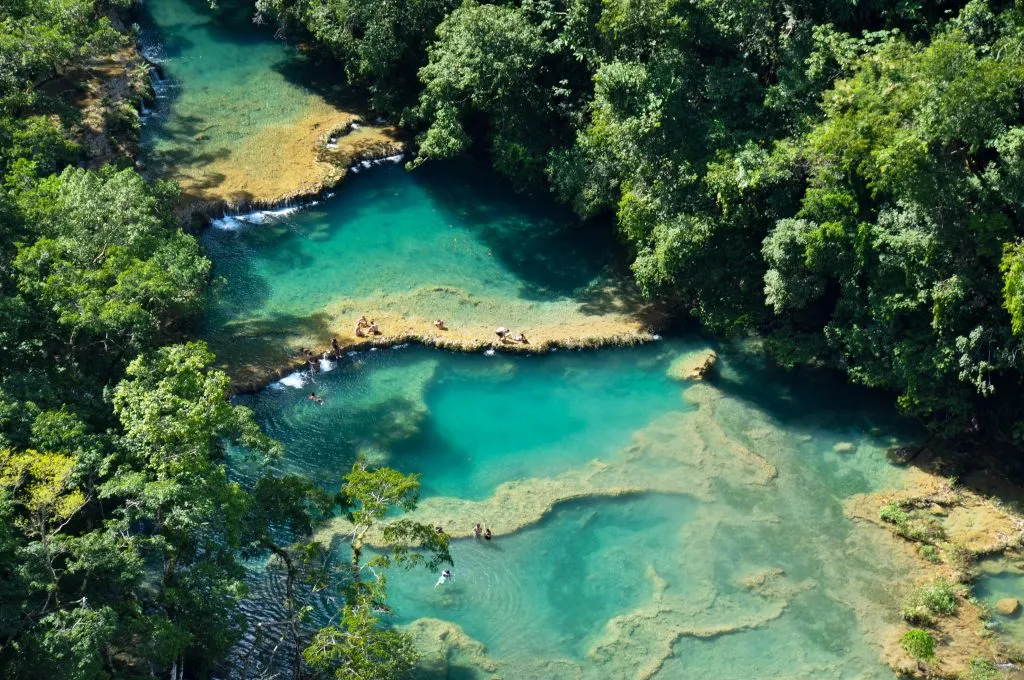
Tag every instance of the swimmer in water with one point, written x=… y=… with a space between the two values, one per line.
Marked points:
x=446 y=576
x=315 y=399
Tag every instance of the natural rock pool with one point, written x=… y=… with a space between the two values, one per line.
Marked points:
x=239 y=117
x=447 y=242
x=644 y=527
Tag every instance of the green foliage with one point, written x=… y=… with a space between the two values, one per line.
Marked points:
x=892 y=513
x=930 y=553
x=1012 y=266
x=938 y=598
x=844 y=178
x=981 y=669
x=919 y=644
x=358 y=648
x=914 y=525
x=355 y=644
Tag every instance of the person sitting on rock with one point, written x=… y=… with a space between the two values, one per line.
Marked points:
x=360 y=333
x=519 y=337
x=362 y=323
x=373 y=328
x=439 y=325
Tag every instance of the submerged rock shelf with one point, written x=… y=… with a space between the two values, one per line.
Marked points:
x=641 y=525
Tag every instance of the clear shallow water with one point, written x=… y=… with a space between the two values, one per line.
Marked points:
x=738 y=573
x=229 y=99
x=1003 y=578
x=445 y=242
x=467 y=422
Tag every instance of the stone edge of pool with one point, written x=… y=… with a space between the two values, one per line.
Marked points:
x=254 y=378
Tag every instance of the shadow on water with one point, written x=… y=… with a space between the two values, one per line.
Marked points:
x=784 y=395
x=545 y=245
x=255 y=343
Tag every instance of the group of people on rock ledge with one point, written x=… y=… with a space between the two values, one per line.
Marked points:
x=504 y=335
x=363 y=327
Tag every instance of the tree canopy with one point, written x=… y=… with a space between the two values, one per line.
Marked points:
x=841 y=178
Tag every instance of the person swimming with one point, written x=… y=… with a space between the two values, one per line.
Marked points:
x=446 y=576
x=315 y=399
x=487 y=534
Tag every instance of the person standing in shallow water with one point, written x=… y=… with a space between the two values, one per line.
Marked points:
x=487 y=534
x=477 y=530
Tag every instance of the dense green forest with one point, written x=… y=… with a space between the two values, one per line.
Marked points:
x=122 y=539
x=841 y=177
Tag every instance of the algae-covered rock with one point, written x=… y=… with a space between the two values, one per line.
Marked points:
x=844 y=447
x=693 y=365
x=1008 y=606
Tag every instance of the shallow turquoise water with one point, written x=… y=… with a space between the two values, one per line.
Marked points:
x=1000 y=579
x=526 y=593
x=468 y=422
x=544 y=600
x=224 y=81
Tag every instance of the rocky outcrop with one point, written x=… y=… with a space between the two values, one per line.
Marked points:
x=695 y=365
